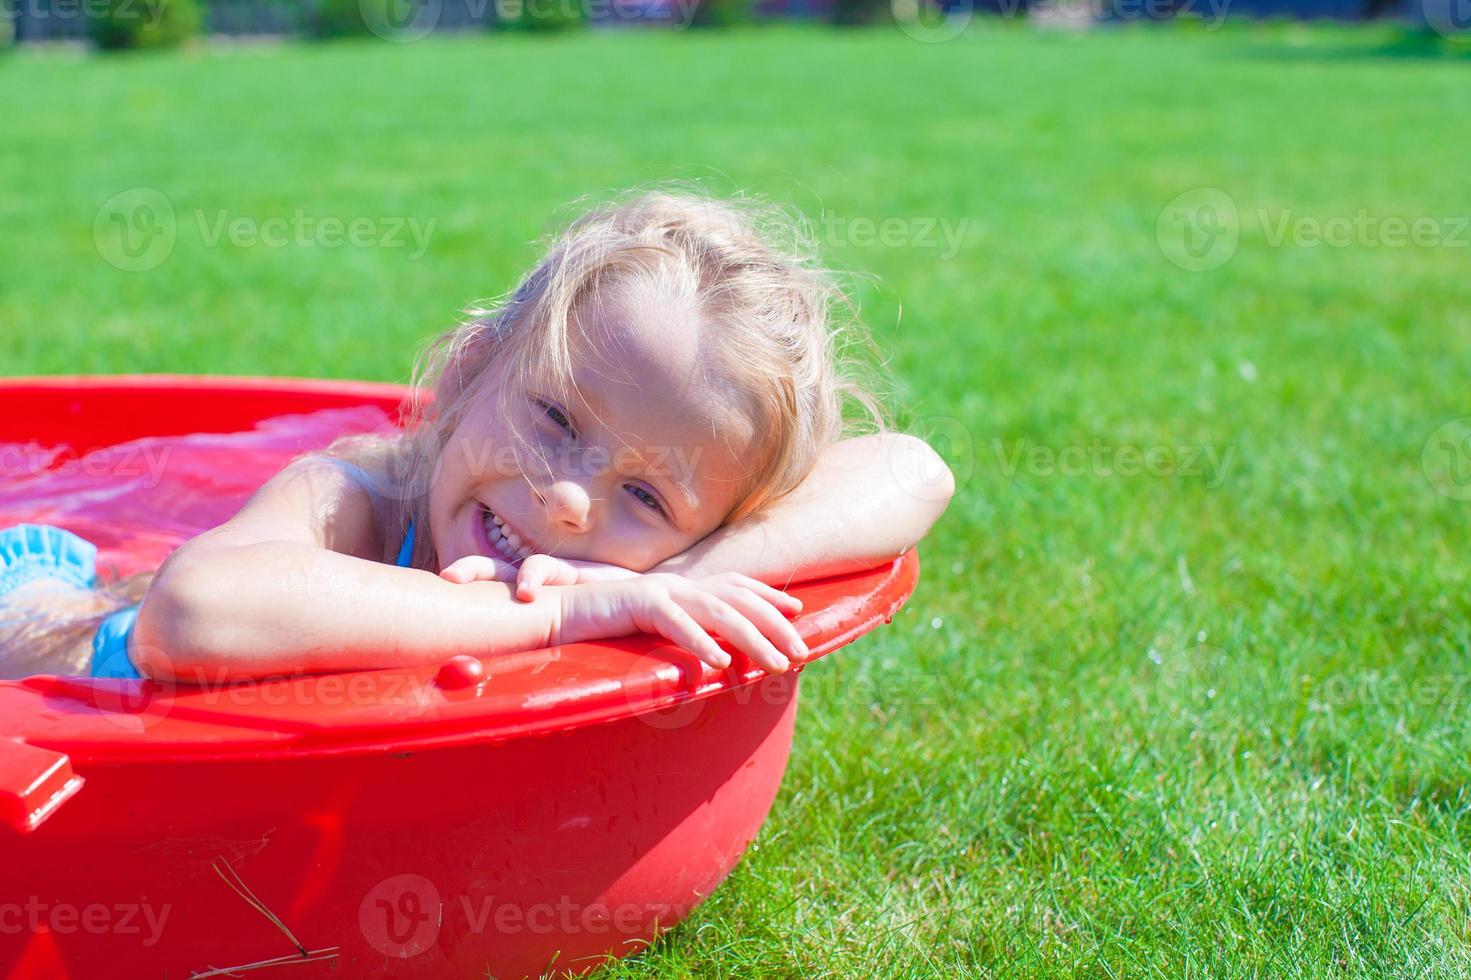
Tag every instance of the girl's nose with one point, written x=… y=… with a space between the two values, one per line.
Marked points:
x=569 y=505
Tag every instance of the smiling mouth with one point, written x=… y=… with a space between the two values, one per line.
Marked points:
x=505 y=541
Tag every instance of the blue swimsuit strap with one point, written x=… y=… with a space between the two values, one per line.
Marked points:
x=405 y=557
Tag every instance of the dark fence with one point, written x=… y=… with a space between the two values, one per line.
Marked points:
x=61 y=20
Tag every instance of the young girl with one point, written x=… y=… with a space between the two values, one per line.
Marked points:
x=644 y=437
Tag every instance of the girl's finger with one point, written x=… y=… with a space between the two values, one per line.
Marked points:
x=784 y=601
x=679 y=627
x=714 y=613
x=476 y=568
x=768 y=619
x=539 y=570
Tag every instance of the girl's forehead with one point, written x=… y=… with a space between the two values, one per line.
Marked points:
x=646 y=379
x=653 y=351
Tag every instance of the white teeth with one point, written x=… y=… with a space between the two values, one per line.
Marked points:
x=504 y=540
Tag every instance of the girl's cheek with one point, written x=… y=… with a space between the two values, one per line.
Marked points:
x=631 y=549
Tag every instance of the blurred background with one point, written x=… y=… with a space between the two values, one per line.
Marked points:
x=1179 y=287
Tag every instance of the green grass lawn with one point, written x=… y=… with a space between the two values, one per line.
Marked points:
x=1210 y=719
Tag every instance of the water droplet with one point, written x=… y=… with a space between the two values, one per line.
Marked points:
x=936 y=623
x=1154 y=656
x=1200 y=637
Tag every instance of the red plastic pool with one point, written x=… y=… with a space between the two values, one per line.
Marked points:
x=568 y=805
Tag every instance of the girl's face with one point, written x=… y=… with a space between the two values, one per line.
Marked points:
x=641 y=460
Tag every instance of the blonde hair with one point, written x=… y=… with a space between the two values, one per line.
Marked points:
x=770 y=315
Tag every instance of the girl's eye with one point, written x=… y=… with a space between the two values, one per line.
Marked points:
x=556 y=415
x=647 y=499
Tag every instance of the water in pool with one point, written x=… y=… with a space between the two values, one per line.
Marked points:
x=137 y=501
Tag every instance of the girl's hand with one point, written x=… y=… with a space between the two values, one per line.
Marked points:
x=478 y=568
x=749 y=614
x=533 y=573
x=539 y=570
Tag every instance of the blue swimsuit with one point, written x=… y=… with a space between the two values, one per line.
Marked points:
x=33 y=551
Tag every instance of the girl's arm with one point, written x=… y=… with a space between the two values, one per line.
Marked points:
x=296 y=582
x=869 y=500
